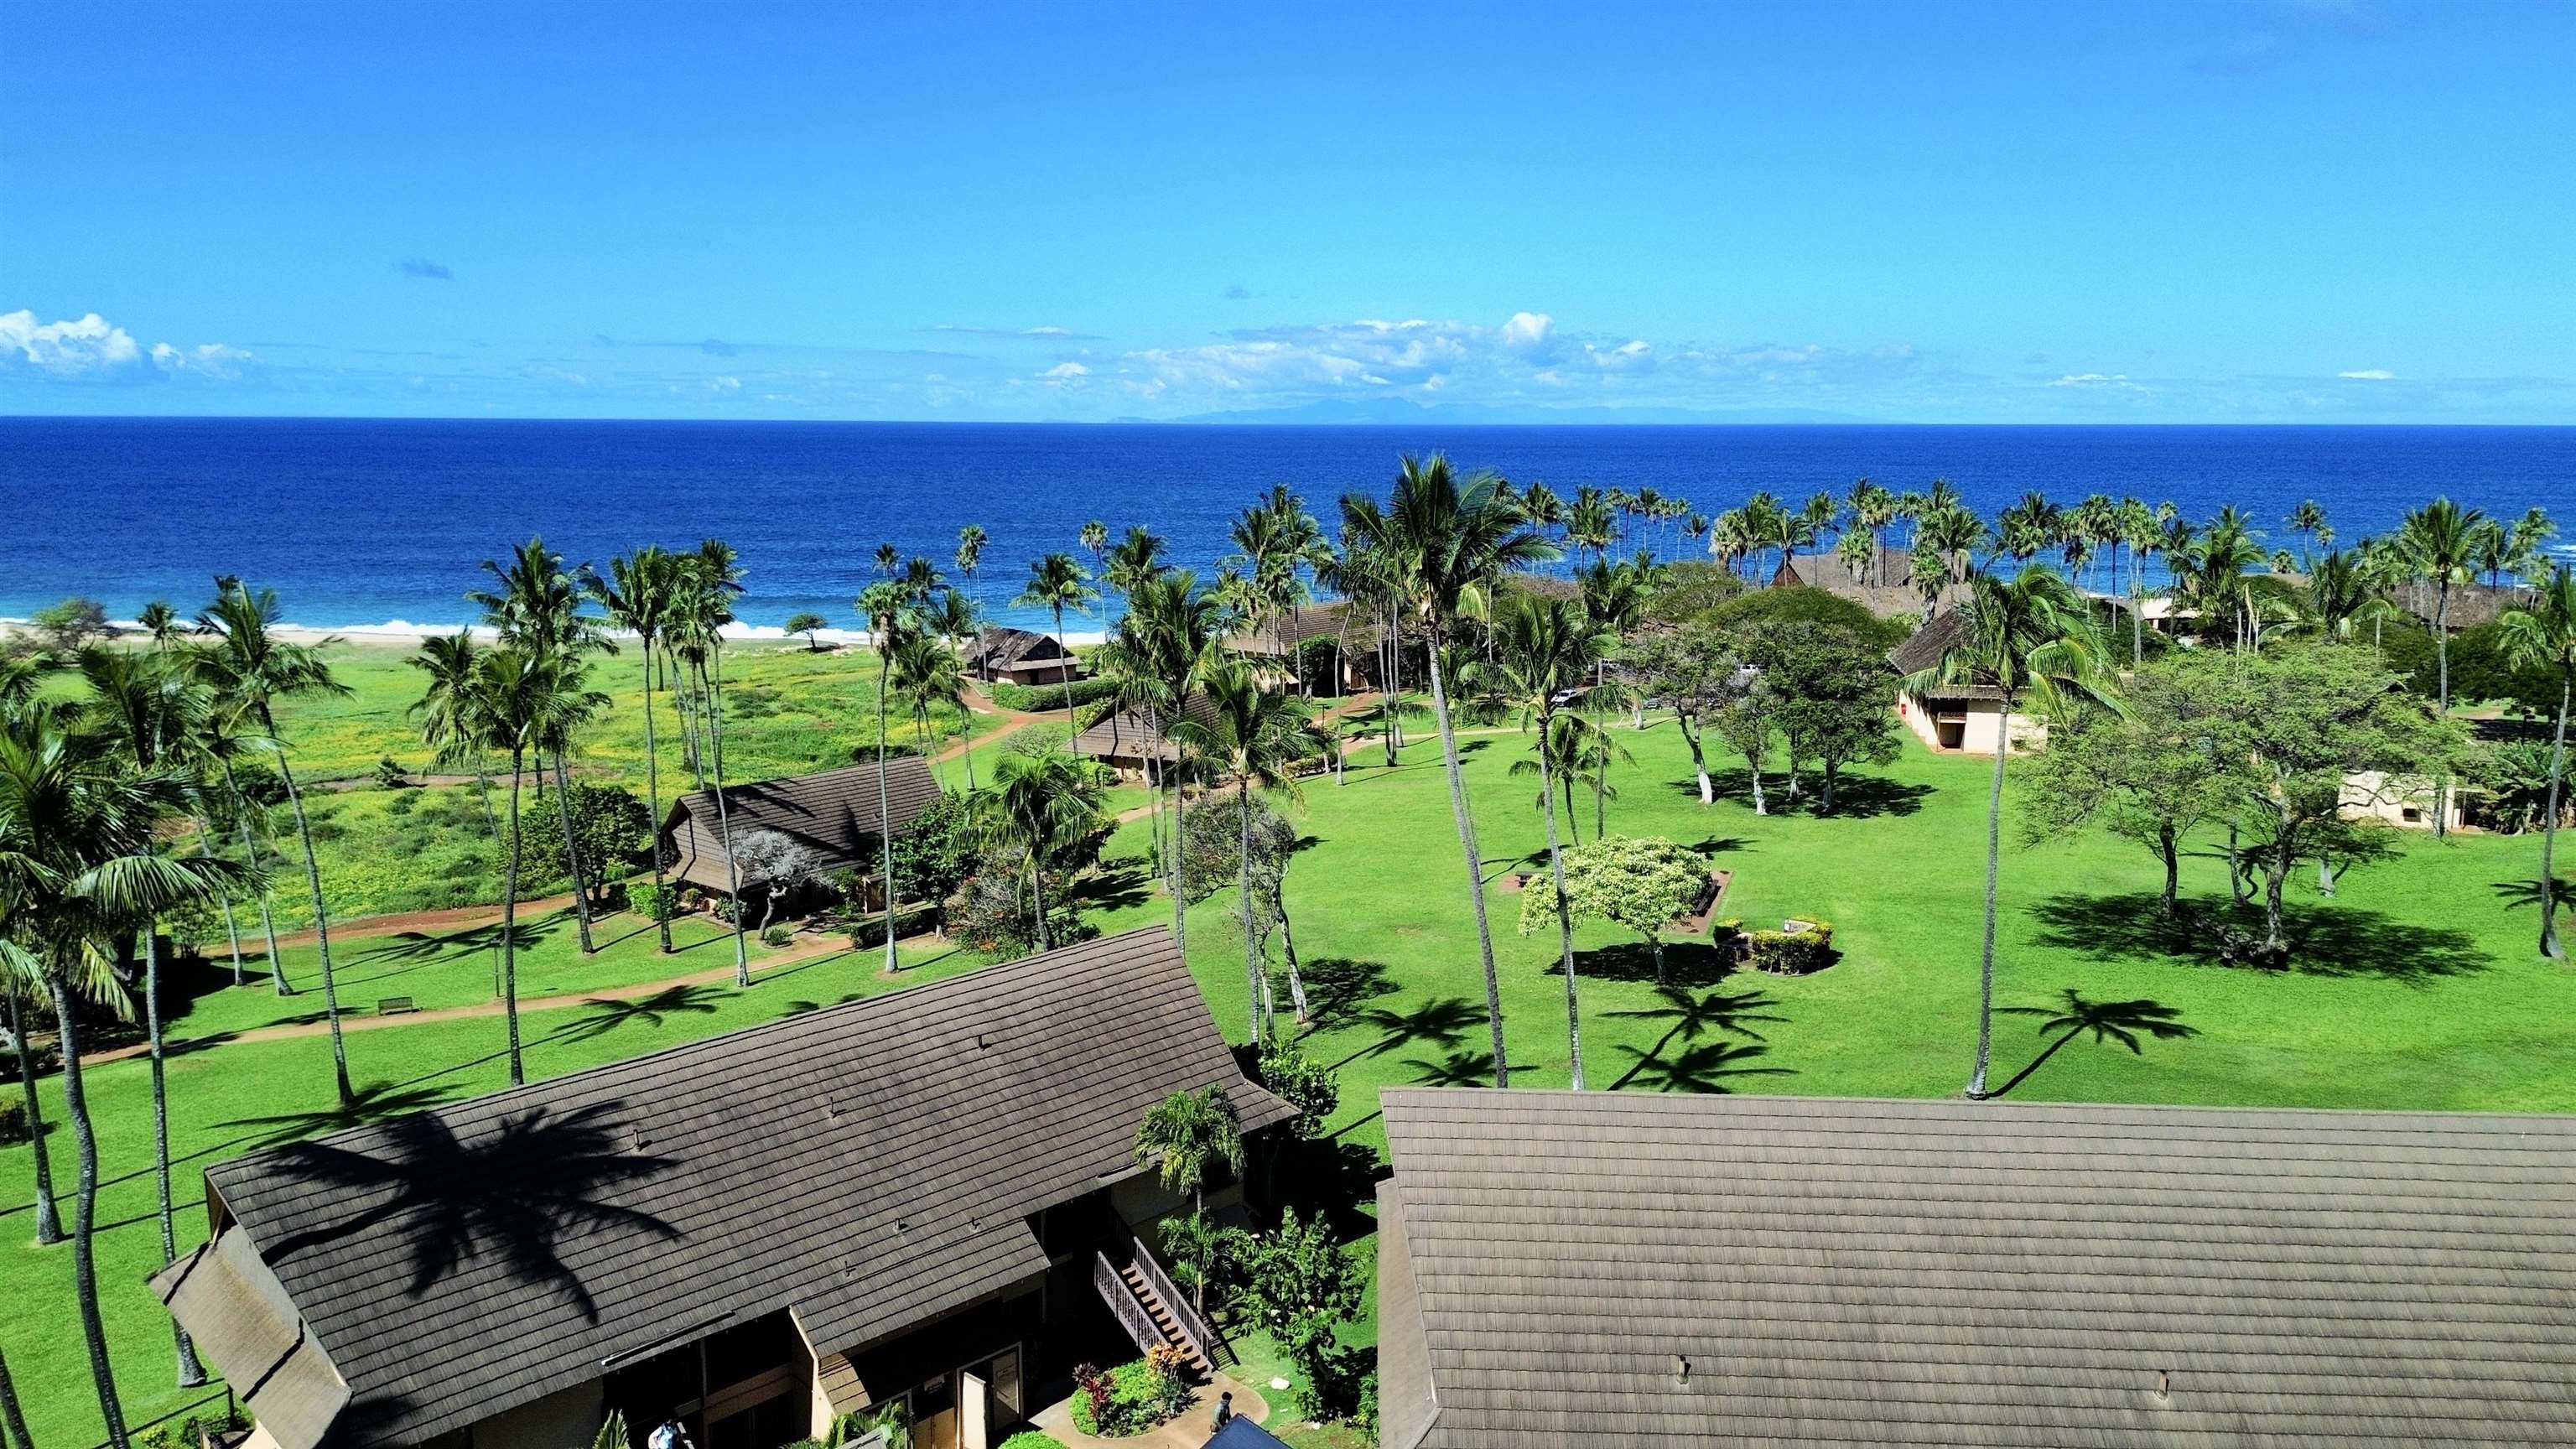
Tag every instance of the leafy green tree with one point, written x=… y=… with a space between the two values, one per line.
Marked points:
x=250 y=668
x=610 y=826
x=810 y=625
x=1748 y=718
x=639 y=594
x=72 y=625
x=1186 y=1138
x=1835 y=694
x=1691 y=669
x=2150 y=776
x=1218 y=850
x=1302 y=1286
x=2030 y=636
x=1039 y=807
x=1303 y=1083
x=1445 y=547
x=1057 y=583
x=2542 y=634
x=1640 y=885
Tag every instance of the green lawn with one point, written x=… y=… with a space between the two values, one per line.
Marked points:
x=2418 y=988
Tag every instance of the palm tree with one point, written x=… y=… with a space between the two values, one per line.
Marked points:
x=1184 y=1136
x=1255 y=736
x=2306 y=520
x=149 y=709
x=19 y=970
x=888 y=608
x=2029 y=635
x=1614 y=600
x=638 y=594
x=1095 y=541
x=1446 y=546
x=1545 y=655
x=952 y=617
x=970 y=549
x=221 y=739
x=927 y=675
x=702 y=606
x=1134 y=559
x=78 y=867
x=889 y=559
x=537 y=609
x=450 y=661
x=2542 y=635
x=2340 y=595
x=2439 y=542
x=1036 y=806
x=249 y=667
x=1057 y=583
x=162 y=623
x=1180 y=631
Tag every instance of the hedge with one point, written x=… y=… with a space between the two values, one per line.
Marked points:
x=1040 y=698
x=1782 y=953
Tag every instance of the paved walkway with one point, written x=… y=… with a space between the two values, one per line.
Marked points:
x=1189 y=1431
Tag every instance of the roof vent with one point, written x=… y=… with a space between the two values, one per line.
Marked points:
x=635 y=1139
x=1681 y=1368
x=2164 y=1385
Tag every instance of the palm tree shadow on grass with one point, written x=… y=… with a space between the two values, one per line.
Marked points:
x=375 y=1102
x=1337 y=987
x=2333 y=939
x=1120 y=884
x=600 y=1016
x=1692 y=1015
x=2108 y=1021
x=516 y=1190
x=1702 y=1068
x=1464 y=1068
x=1439 y=1020
x=424 y=947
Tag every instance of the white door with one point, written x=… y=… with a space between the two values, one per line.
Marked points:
x=974 y=1406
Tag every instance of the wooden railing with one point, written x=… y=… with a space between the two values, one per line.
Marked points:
x=1193 y=1328
x=1131 y=1314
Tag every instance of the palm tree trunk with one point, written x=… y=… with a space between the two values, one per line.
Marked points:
x=1037 y=898
x=191 y=1372
x=49 y=1222
x=1255 y=980
x=1065 y=673
x=572 y=856
x=510 y=932
x=2442 y=658
x=653 y=791
x=724 y=814
x=1986 y=957
x=85 y=1210
x=1475 y=867
x=1564 y=913
x=12 y=1417
x=1180 y=823
x=885 y=810
x=321 y=920
x=2549 y=946
x=1288 y=939
x=250 y=847
x=232 y=928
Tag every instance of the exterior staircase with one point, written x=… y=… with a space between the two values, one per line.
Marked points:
x=1150 y=1307
x=1165 y=1325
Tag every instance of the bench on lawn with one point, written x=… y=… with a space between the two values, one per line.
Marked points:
x=395 y=1006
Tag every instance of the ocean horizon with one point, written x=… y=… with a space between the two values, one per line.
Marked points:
x=381 y=525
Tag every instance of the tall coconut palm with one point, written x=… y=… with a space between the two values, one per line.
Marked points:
x=2306 y=521
x=1257 y=737
x=1037 y=806
x=1447 y=545
x=250 y=668
x=888 y=608
x=2024 y=637
x=2542 y=635
x=970 y=549
x=1057 y=583
x=1095 y=541
x=1546 y=655
x=1134 y=559
x=701 y=608
x=1614 y=601
x=952 y=617
x=161 y=624
x=537 y=610
x=2439 y=542
x=1179 y=629
x=19 y=973
x=78 y=867
x=638 y=595
x=521 y=701
x=2340 y=595
x=449 y=662
x=926 y=677
x=151 y=709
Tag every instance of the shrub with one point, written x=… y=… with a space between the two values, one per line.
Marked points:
x=1033 y=1439
x=869 y=930
x=993 y=912
x=614 y=828
x=778 y=935
x=932 y=854
x=1790 y=953
x=390 y=773
x=653 y=902
x=13 y=1124
x=1305 y=1084
x=1039 y=698
x=404 y=803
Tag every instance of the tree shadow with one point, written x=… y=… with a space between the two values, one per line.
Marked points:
x=2336 y=940
x=2109 y=1021
x=375 y=1102
x=1440 y=1021
x=1690 y=1016
x=517 y=1190
x=599 y=1016
x=1332 y=1179
x=802 y=1007
x=1114 y=885
x=1703 y=1068
x=1337 y=986
x=1715 y=845
x=422 y=947
x=2524 y=895
x=1686 y=963
x=1457 y=1069
x=1866 y=797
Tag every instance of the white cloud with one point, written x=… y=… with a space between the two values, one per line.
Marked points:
x=2369 y=374
x=92 y=348
x=211 y=359
x=1528 y=331
x=724 y=384
x=1047 y=332
x=1065 y=370
x=2100 y=381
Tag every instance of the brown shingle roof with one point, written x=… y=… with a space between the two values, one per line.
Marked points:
x=999 y=646
x=1314 y=621
x=868 y=1166
x=1948 y=1273
x=834 y=811
x=1128 y=734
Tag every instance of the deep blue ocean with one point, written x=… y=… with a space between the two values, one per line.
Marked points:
x=362 y=522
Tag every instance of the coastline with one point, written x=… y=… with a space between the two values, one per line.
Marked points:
x=404 y=633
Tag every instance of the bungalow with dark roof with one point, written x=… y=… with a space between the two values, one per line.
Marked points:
x=1967 y=718
x=1698 y=1271
x=833 y=814
x=1004 y=655
x=926 y=1199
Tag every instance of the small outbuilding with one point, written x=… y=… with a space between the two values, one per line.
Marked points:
x=1004 y=655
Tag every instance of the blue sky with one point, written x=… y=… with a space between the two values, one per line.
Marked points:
x=2224 y=210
